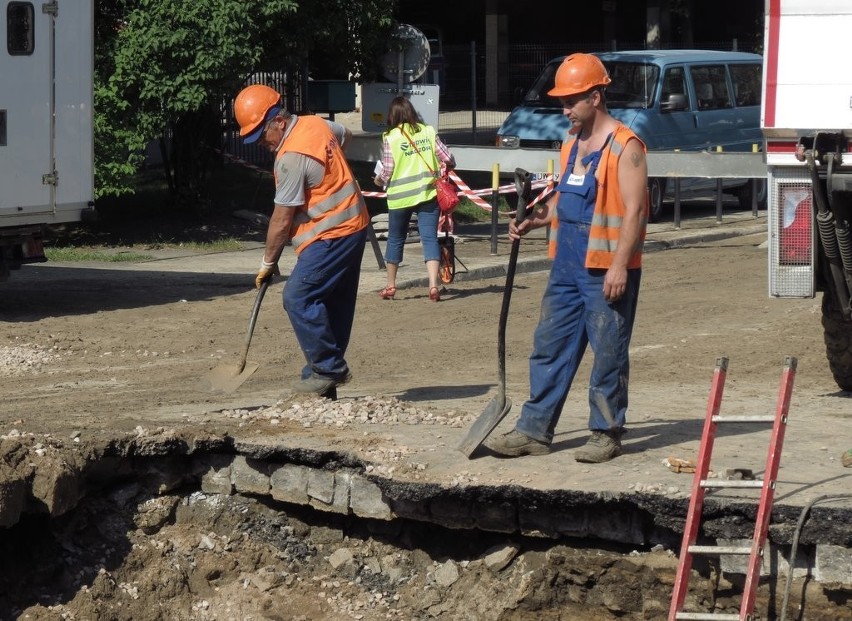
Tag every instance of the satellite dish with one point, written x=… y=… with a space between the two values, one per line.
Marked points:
x=410 y=48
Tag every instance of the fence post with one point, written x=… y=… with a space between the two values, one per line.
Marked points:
x=754 y=187
x=718 y=193
x=495 y=196
x=677 y=202
x=547 y=226
x=473 y=88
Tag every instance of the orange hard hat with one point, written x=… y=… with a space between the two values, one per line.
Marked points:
x=577 y=74
x=252 y=107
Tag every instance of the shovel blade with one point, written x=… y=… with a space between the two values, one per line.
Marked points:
x=227 y=377
x=482 y=427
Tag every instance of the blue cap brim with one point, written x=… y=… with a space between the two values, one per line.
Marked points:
x=255 y=135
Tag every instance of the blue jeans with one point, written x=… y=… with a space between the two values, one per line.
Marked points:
x=319 y=298
x=574 y=314
x=427 y=224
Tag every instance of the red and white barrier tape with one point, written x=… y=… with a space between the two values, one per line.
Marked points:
x=464 y=190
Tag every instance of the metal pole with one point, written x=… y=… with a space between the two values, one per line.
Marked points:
x=718 y=193
x=719 y=201
x=495 y=196
x=754 y=186
x=473 y=88
x=677 y=203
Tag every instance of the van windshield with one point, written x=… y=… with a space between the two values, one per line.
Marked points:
x=633 y=85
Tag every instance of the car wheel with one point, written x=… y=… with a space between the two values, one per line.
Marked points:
x=744 y=194
x=656 y=192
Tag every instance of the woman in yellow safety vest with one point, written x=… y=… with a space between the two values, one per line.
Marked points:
x=412 y=156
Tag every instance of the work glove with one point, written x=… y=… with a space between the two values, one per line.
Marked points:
x=266 y=272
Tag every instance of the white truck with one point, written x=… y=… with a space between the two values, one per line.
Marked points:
x=807 y=124
x=46 y=131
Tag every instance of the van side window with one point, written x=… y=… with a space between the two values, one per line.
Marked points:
x=711 y=87
x=674 y=83
x=20 y=28
x=747 y=87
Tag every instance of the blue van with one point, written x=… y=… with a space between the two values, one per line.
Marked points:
x=690 y=100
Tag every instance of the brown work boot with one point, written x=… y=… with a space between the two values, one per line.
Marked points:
x=320 y=385
x=601 y=447
x=516 y=444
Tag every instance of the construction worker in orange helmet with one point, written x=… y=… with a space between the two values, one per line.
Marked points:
x=255 y=105
x=577 y=74
x=598 y=216
x=316 y=200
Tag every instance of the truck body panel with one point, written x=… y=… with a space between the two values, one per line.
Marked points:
x=46 y=121
x=806 y=117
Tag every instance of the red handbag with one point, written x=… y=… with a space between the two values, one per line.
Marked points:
x=448 y=195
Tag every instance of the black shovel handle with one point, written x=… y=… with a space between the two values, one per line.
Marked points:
x=523 y=184
x=252 y=320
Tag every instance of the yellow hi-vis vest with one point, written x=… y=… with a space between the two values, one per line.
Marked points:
x=335 y=207
x=609 y=206
x=412 y=182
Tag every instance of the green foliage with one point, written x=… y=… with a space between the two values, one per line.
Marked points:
x=339 y=37
x=167 y=67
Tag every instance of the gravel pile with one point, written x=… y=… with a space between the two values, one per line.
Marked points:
x=16 y=360
x=316 y=411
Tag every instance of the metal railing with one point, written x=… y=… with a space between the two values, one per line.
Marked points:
x=673 y=165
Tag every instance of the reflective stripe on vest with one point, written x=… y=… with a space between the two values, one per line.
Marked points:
x=609 y=207
x=328 y=223
x=335 y=207
x=411 y=182
x=318 y=209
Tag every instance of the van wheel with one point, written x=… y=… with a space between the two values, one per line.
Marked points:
x=656 y=192
x=744 y=194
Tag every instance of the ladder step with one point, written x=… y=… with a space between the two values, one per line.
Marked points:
x=720 y=550
x=707 y=483
x=707 y=616
x=766 y=418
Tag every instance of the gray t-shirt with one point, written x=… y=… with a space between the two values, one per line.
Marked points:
x=296 y=171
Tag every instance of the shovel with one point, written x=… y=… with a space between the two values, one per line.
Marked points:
x=500 y=405
x=226 y=376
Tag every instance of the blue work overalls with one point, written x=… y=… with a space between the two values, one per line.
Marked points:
x=574 y=314
x=319 y=297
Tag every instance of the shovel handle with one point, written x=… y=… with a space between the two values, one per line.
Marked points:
x=252 y=321
x=523 y=183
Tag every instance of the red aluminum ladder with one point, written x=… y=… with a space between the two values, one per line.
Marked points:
x=701 y=483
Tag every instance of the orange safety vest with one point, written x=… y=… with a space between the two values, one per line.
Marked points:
x=609 y=206
x=335 y=207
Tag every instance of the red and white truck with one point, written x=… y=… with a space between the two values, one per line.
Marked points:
x=46 y=131
x=807 y=125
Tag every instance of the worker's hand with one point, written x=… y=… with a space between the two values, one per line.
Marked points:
x=516 y=231
x=265 y=273
x=615 y=284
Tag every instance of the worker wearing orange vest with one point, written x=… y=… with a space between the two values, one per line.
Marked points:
x=320 y=210
x=598 y=217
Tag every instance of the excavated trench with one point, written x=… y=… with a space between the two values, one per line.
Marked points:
x=170 y=528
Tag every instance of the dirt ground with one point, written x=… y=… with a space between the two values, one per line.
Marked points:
x=121 y=351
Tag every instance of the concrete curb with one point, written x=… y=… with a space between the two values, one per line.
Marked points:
x=538 y=264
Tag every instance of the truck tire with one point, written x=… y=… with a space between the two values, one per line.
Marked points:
x=838 y=342
x=744 y=195
x=656 y=194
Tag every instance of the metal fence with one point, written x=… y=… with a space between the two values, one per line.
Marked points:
x=461 y=72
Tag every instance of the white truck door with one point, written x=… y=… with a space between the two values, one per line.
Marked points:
x=26 y=109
